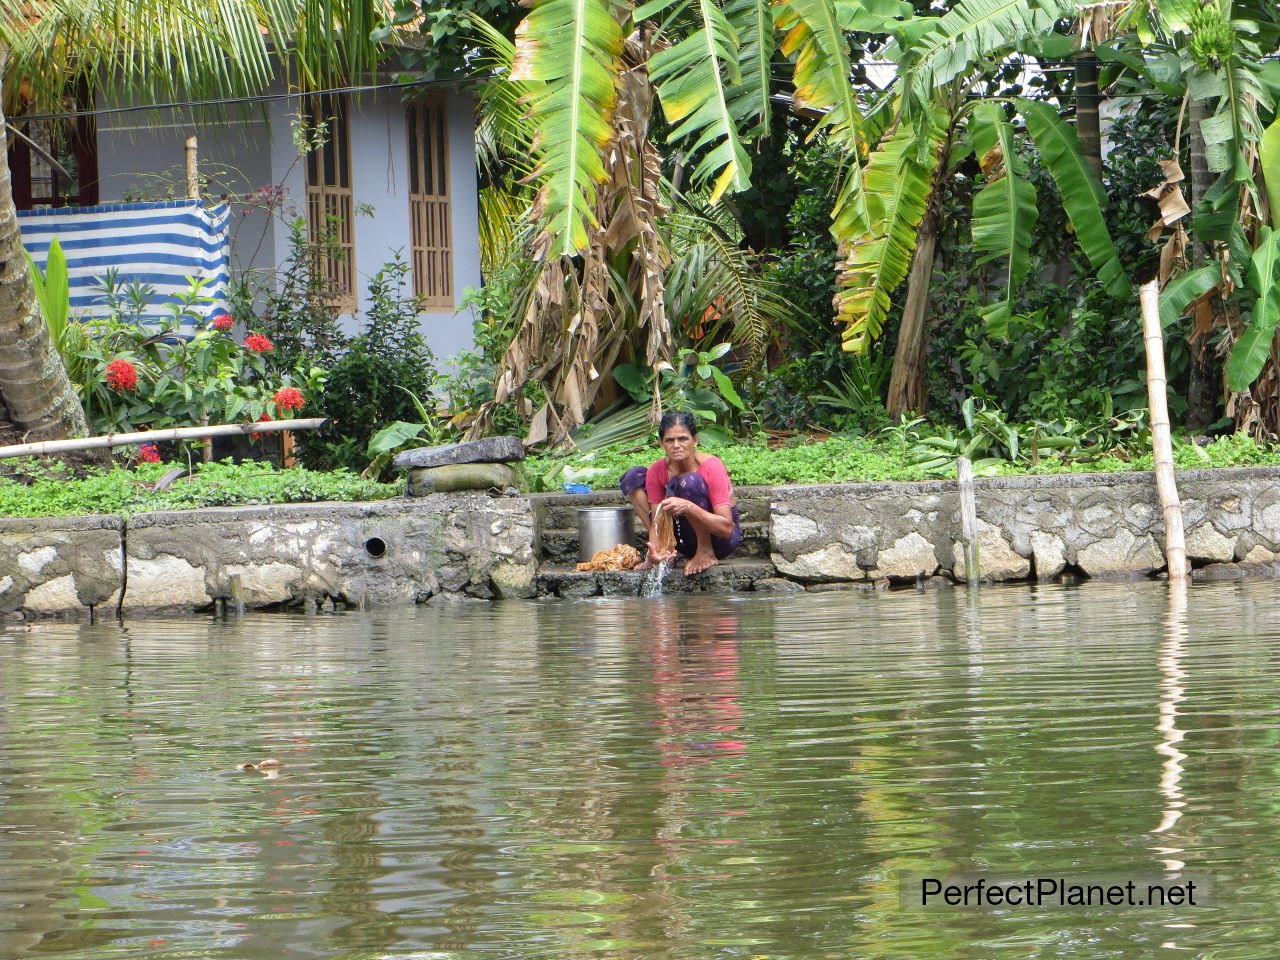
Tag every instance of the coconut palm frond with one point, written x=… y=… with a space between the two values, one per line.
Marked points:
x=715 y=292
x=504 y=133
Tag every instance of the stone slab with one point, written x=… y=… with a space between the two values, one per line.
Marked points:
x=488 y=450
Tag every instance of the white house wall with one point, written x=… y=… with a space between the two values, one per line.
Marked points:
x=380 y=180
x=140 y=159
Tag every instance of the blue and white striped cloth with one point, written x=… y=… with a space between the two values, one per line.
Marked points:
x=160 y=244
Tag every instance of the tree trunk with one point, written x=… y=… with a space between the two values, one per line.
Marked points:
x=34 y=388
x=908 y=391
x=1088 y=125
x=1204 y=389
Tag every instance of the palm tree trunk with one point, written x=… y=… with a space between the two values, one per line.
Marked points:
x=34 y=388
x=1088 y=125
x=908 y=392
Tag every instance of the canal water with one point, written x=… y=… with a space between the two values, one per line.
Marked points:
x=695 y=777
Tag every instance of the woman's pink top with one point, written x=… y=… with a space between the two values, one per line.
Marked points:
x=711 y=469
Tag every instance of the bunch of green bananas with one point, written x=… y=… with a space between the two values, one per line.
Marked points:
x=1212 y=38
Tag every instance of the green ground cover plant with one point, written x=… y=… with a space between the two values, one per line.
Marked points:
x=894 y=454
x=50 y=488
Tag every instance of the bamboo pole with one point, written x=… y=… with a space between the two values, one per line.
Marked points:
x=1175 y=550
x=44 y=447
x=193 y=170
x=968 y=520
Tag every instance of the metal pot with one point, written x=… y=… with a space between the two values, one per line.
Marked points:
x=602 y=528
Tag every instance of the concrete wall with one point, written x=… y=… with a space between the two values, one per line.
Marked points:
x=346 y=554
x=471 y=545
x=1097 y=525
x=140 y=159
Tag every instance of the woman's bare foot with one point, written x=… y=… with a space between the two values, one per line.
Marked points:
x=700 y=561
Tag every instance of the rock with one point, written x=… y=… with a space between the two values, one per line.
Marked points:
x=1205 y=544
x=777 y=585
x=459 y=476
x=1121 y=555
x=60 y=566
x=489 y=450
x=577 y=589
x=1048 y=553
x=996 y=559
x=1260 y=554
x=833 y=562
x=514 y=579
x=910 y=557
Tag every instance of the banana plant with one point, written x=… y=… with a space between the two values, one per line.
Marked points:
x=1218 y=58
x=709 y=70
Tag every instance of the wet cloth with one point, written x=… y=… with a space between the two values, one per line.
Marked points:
x=707 y=487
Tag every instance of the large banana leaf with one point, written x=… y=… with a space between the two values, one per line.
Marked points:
x=969 y=33
x=570 y=47
x=1249 y=353
x=753 y=21
x=814 y=37
x=897 y=188
x=1269 y=158
x=1004 y=211
x=696 y=78
x=1186 y=287
x=1235 y=123
x=1082 y=194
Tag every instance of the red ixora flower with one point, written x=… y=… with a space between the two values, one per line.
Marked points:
x=258 y=343
x=256 y=435
x=289 y=398
x=148 y=453
x=122 y=375
x=222 y=321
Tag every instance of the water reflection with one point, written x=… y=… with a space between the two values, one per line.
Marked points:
x=683 y=777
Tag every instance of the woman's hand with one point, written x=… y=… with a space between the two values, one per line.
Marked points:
x=677 y=506
x=656 y=557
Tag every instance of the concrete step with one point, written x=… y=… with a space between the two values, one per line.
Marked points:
x=559 y=511
x=561 y=545
x=729 y=576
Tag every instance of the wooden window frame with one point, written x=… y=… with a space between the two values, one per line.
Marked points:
x=330 y=197
x=430 y=208
x=73 y=141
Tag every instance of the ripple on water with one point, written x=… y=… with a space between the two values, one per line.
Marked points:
x=672 y=777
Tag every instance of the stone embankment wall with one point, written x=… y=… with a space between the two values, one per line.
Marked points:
x=1097 y=525
x=348 y=554
x=470 y=545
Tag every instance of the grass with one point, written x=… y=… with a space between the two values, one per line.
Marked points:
x=887 y=456
x=47 y=488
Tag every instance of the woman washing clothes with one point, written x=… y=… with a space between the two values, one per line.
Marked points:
x=694 y=489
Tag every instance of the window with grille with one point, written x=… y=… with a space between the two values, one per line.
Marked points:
x=431 y=231
x=330 y=204
x=61 y=169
